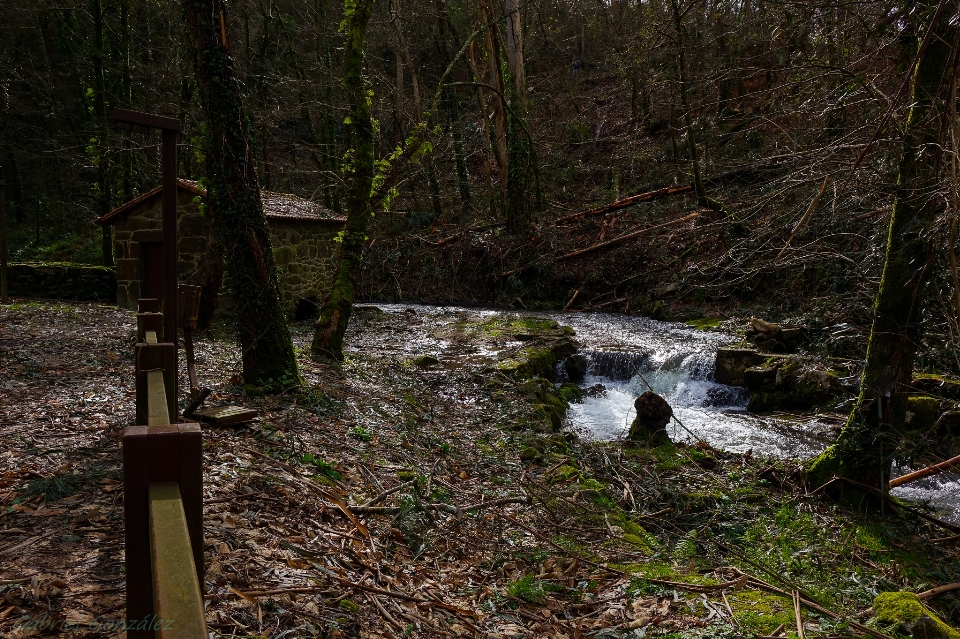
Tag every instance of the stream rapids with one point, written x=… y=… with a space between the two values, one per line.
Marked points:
x=628 y=355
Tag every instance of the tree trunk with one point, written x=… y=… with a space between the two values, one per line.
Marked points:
x=518 y=147
x=867 y=443
x=233 y=199
x=335 y=312
x=100 y=125
x=699 y=188
x=126 y=86
x=491 y=43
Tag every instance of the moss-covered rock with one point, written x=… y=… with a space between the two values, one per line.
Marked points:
x=426 y=361
x=937 y=386
x=797 y=385
x=922 y=412
x=732 y=362
x=905 y=610
x=563 y=473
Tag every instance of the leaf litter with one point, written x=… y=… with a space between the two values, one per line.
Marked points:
x=387 y=498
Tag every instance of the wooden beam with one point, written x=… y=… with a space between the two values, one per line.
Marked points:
x=145 y=120
x=154 y=454
x=157 y=414
x=155 y=357
x=176 y=591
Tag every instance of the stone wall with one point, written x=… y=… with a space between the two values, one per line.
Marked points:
x=304 y=250
x=306 y=256
x=61 y=280
x=143 y=224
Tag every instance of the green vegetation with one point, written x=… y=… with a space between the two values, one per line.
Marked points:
x=323 y=467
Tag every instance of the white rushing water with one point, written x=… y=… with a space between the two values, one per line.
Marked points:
x=626 y=353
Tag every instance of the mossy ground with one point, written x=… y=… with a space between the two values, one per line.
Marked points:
x=603 y=525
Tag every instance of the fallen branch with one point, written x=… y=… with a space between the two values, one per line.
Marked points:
x=623 y=238
x=279 y=591
x=397 y=595
x=376 y=500
x=814 y=205
x=447 y=508
x=323 y=493
x=925 y=472
x=939 y=590
x=762 y=585
x=738 y=583
x=627 y=202
x=603 y=245
x=221 y=500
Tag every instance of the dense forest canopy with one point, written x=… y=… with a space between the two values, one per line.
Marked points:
x=779 y=101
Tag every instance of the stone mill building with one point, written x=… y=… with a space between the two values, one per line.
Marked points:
x=301 y=232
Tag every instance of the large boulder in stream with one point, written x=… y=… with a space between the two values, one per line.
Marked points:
x=575 y=367
x=649 y=427
x=775 y=338
x=732 y=362
x=790 y=383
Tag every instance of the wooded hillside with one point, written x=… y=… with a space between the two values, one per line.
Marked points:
x=790 y=113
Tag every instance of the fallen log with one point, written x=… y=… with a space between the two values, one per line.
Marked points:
x=925 y=472
x=602 y=245
x=623 y=238
x=627 y=202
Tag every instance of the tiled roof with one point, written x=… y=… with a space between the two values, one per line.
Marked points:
x=280 y=207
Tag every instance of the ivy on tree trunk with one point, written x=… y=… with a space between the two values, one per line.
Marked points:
x=335 y=312
x=865 y=448
x=233 y=201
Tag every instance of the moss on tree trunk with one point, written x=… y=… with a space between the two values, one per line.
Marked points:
x=335 y=312
x=865 y=447
x=235 y=206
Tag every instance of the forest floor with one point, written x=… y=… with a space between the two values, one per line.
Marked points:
x=479 y=525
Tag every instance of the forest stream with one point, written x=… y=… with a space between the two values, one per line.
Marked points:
x=625 y=354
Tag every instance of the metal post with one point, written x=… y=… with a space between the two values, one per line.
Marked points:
x=168 y=182
x=3 y=243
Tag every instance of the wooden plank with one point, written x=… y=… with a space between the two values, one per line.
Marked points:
x=176 y=590
x=145 y=120
x=149 y=357
x=188 y=308
x=157 y=414
x=148 y=305
x=157 y=454
x=226 y=415
x=149 y=322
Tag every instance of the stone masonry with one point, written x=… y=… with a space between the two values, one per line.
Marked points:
x=302 y=235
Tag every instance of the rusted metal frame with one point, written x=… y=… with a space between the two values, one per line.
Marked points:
x=153 y=454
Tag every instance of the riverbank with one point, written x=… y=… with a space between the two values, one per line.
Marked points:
x=485 y=522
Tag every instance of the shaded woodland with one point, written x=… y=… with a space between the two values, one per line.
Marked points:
x=787 y=118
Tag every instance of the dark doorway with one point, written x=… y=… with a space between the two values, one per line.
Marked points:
x=151 y=255
x=307 y=308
